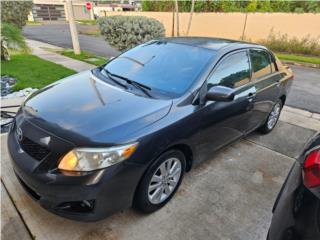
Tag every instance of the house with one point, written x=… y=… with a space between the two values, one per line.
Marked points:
x=55 y=10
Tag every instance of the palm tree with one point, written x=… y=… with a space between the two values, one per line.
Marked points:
x=177 y=16
x=173 y=12
x=244 y=27
x=190 y=18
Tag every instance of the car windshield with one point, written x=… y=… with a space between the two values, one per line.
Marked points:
x=163 y=66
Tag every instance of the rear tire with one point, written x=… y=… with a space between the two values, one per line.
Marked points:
x=272 y=119
x=160 y=182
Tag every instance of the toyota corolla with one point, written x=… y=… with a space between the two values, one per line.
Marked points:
x=125 y=133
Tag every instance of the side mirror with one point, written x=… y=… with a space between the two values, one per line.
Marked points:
x=220 y=93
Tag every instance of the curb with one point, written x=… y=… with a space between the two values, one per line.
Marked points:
x=310 y=65
x=302 y=112
x=300 y=117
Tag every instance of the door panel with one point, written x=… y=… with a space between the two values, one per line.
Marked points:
x=247 y=95
x=218 y=126
x=223 y=122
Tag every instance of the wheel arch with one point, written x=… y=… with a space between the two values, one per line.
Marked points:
x=187 y=152
x=283 y=99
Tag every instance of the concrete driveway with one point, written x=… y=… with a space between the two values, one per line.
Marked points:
x=228 y=197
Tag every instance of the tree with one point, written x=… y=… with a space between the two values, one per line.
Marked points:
x=264 y=6
x=252 y=6
x=173 y=12
x=177 y=16
x=280 y=6
x=15 y=12
x=190 y=18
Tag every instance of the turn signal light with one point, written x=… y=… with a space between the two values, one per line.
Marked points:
x=69 y=162
x=311 y=169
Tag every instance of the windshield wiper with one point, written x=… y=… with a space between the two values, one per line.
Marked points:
x=110 y=76
x=141 y=86
x=132 y=59
x=144 y=88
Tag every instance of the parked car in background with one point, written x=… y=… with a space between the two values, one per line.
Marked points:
x=296 y=212
x=125 y=133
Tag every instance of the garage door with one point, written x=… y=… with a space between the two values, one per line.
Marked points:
x=48 y=12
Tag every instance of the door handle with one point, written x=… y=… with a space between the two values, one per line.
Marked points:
x=251 y=96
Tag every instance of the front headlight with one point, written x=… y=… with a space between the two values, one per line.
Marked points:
x=88 y=159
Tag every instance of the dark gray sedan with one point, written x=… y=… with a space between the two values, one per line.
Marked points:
x=125 y=133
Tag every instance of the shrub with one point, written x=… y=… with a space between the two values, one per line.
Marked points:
x=124 y=32
x=15 y=12
x=282 y=43
x=13 y=38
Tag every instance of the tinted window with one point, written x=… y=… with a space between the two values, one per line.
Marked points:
x=233 y=71
x=261 y=63
x=164 y=66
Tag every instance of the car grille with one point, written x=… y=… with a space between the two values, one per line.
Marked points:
x=34 y=149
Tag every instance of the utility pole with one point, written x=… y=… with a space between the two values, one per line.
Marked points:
x=73 y=28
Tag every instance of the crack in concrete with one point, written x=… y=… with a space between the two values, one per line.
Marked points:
x=17 y=210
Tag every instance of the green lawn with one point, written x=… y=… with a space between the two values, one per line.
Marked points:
x=33 y=23
x=87 y=22
x=298 y=58
x=90 y=32
x=32 y=71
x=85 y=57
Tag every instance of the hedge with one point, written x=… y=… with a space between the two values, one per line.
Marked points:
x=124 y=32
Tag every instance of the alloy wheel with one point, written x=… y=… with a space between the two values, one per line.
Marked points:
x=164 y=180
x=274 y=115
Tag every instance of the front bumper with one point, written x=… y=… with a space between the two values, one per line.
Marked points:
x=87 y=197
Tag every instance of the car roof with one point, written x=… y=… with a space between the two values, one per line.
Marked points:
x=215 y=44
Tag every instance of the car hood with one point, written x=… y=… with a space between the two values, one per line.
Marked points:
x=83 y=109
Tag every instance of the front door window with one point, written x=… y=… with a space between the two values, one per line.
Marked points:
x=233 y=71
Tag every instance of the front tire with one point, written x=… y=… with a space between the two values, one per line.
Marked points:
x=160 y=182
x=272 y=119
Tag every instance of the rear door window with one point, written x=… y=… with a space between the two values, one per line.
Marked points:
x=261 y=63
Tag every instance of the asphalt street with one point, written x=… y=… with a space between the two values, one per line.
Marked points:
x=59 y=35
x=305 y=91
